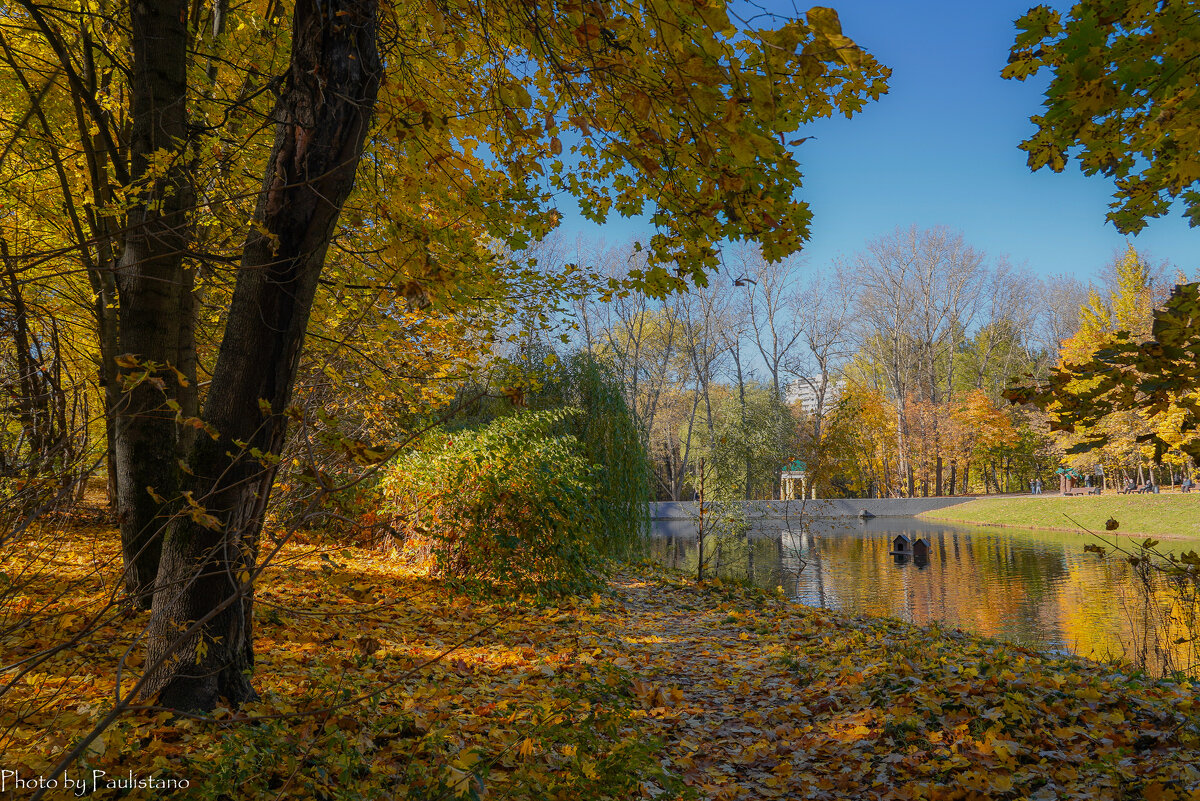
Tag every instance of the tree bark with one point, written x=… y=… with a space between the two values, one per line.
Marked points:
x=149 y=282
x=32 y=398
x=205 y=579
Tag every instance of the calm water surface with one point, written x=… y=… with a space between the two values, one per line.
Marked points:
x=1035 y=588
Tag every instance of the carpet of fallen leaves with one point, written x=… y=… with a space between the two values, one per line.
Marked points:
x=378 y=683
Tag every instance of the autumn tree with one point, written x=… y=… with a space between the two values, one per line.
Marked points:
x=640 y=340
x=1062 y=296
x=919 y=291
x=856 y=448
x=755 y=434
x=1113 y=399
x=681 y=113
x=824 y=309
x=1121 y=100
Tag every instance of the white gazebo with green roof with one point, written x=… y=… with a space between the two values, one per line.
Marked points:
x=794 y=474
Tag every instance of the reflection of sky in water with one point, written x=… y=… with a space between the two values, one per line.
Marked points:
x=1034 y=588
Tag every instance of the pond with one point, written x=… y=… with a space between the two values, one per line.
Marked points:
x=1034 y=588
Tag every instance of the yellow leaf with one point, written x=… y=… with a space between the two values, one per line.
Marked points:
x=1156 y=791
x=460 y=782
x=824 y=20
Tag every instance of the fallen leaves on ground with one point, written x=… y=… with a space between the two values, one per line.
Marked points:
x=377 y=683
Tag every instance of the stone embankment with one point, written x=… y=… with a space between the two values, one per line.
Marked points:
x=818 y=508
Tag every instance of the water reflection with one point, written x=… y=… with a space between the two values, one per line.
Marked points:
x=1034 y=588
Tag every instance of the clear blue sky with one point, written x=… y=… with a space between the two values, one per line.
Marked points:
x=941 y=148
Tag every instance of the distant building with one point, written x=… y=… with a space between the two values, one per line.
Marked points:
x=804 y=392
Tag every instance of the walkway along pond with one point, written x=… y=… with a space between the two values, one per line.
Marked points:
x=1031 y=587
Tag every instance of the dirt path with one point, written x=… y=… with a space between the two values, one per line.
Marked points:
x=712 y=680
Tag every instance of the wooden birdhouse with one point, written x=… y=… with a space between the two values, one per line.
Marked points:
x=902 y=545
x=920 y=549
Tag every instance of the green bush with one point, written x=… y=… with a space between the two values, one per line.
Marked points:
x=510 y=503
x=611 y=441
x=606 y=429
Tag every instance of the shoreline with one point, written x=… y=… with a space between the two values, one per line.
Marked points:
x=1165 y=517
x=1081 y=531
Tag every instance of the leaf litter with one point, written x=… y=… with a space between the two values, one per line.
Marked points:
x=376 y=682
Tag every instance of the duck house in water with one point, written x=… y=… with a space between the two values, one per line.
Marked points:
x=903 y=546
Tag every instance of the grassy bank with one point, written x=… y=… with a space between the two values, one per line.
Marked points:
x=377 y=683
x=1163 y=516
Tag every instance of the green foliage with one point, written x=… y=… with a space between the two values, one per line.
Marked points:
x=605 y=429
x=511 y=503
x=752 y=440
x=280 y=756
x=1123 y=96
x=611 y=442
x=533 y=498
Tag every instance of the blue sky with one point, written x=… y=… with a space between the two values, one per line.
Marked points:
x=941 y=149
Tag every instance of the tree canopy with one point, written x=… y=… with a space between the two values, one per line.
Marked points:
x=1123 y=99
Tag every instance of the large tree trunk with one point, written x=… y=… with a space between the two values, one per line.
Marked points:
x=149 y=282
x=204 y=580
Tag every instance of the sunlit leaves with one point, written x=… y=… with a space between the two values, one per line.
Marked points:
x=1123 y=100
x=678 y=111
x=383 y=684
x=1127 y=382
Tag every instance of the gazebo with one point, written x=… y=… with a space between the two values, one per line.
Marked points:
x=794 y=472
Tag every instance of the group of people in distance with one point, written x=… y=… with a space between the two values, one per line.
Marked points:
x=1131 y=487
x=1187 y=485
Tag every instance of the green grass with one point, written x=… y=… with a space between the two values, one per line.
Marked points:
x=1176 y=516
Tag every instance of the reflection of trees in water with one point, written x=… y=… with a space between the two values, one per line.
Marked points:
x=754 y=556
x=1038 y=590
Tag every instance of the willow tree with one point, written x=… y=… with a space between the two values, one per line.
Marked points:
x=473 y=118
